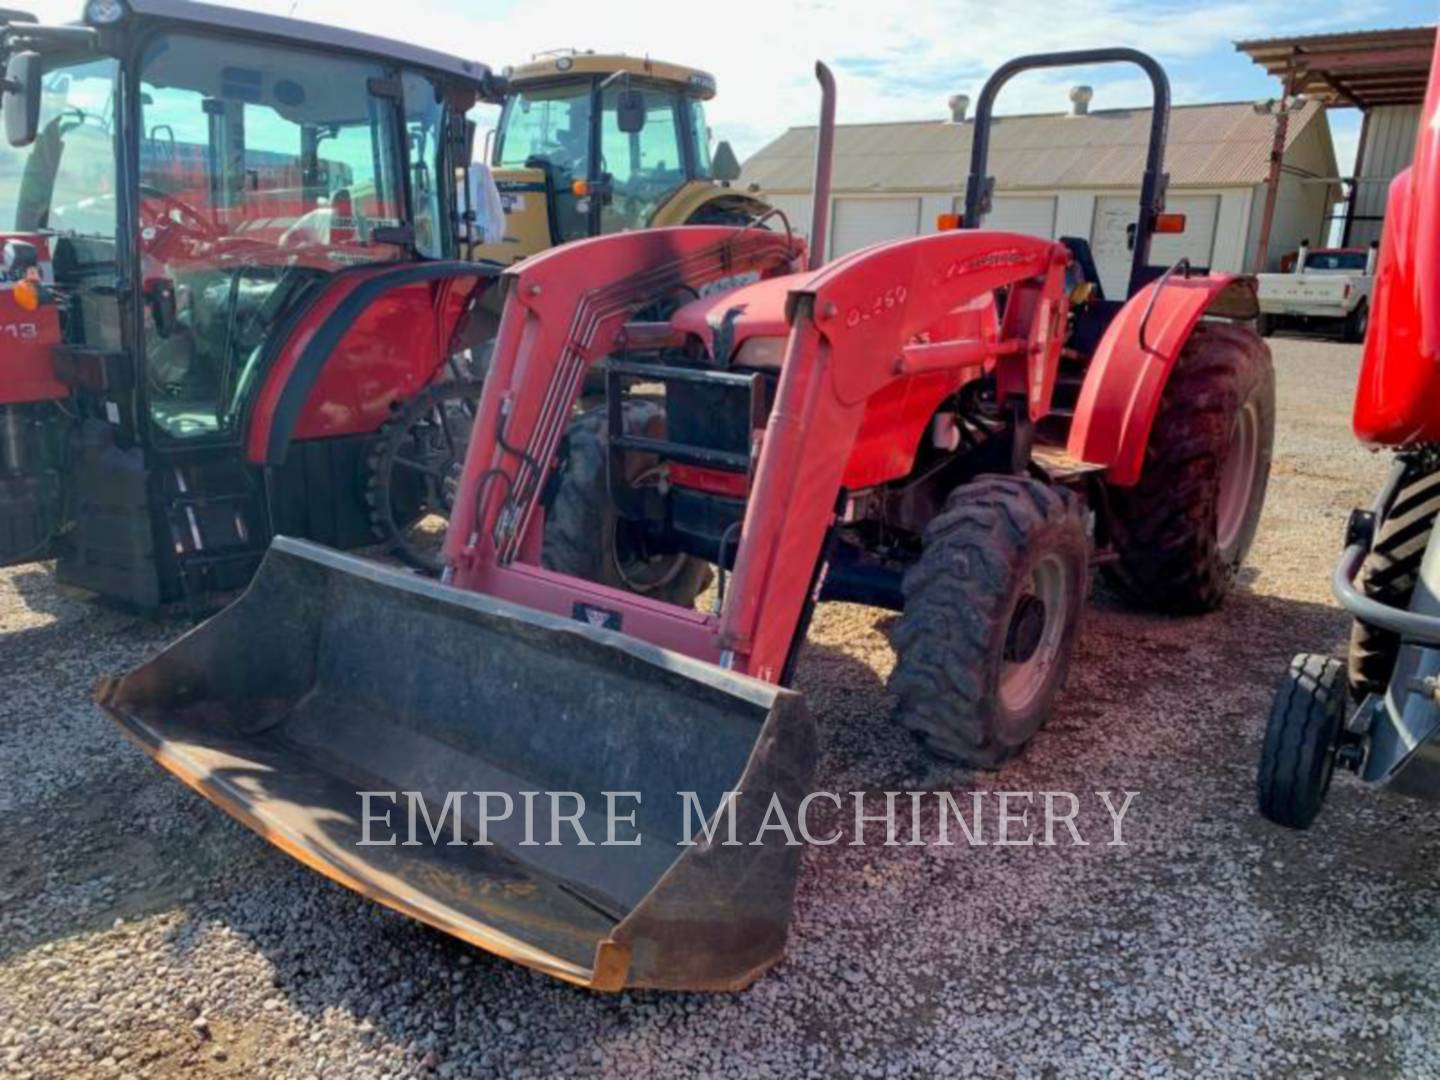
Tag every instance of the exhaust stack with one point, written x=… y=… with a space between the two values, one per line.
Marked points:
x=824 y=161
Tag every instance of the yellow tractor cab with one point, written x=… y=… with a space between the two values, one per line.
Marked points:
x=590 y=144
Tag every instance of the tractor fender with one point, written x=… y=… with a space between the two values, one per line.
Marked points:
x=299 y=355
x=1127 y=375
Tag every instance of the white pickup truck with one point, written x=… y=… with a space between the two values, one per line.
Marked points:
x=1325 y=287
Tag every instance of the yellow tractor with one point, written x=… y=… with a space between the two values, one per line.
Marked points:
x=590 y=144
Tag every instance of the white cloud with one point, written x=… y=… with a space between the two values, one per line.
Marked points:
x=898 y=61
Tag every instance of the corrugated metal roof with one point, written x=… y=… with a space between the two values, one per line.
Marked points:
x=1209 y=146
x=1367 y=68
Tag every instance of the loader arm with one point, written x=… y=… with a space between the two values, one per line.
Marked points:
x=854 y=328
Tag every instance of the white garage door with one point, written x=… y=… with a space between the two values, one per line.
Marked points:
x=1031 y=215
x=1114 y=214
x=862 y=222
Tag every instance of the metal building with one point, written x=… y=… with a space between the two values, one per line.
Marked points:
x=1067 y=174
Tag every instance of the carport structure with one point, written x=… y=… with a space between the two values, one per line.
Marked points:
x=1383 y=73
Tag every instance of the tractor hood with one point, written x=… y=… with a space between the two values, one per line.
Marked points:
x=725 y=321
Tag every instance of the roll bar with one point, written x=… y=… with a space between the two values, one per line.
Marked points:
x=979 y=187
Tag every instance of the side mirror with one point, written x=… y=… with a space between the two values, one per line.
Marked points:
x=725 y=165
x=22 y=99
x=630 y=111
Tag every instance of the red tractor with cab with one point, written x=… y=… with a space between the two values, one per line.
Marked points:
x=231 y=279
x=957 y=427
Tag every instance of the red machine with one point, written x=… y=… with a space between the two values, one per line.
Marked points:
x=953 y=426
x=228 y=297
x=1378 y=715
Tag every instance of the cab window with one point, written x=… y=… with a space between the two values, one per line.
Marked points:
x=645 y=167
x=263 y=170
x=700 y=138
x=550 y=124
x=425 y=130
x=549 y=128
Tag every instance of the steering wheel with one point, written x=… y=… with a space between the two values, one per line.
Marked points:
x=190 y=221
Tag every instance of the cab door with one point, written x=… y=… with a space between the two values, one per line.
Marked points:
x=640 y=170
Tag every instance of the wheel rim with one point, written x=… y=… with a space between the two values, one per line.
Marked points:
x=1035 y=635
x=1237 y=478
x=425 y=477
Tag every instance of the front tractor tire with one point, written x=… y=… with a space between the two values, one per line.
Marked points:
x=991 y=611
x=1391 y=570
x=587 y=538
x=1302 y=737
x=1182 y=533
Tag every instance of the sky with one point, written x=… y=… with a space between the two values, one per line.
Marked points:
x=893 y=59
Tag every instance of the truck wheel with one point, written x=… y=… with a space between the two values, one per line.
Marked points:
x=991 y=610
x=1298 y=758
x=1265 y=325
x=1357 y=323
x=1389 y=574
x=414 y=469
x=1182 y=532
x=586 y=538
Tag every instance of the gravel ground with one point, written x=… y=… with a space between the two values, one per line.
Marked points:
x=144 y=933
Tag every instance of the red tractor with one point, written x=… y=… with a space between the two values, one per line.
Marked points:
x=231 y=278
x=1378 y=715
x=957 y=427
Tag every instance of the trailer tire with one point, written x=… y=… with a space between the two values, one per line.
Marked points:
x=1390 y=571
x=1297 y=761
x=585 y=537
x=1004 y=571
x=1183 y=531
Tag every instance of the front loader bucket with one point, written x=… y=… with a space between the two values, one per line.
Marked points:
x=334 y=676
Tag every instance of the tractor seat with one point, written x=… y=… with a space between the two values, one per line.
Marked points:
x=724 y=321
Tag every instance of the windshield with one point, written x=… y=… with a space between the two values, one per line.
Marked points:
x=547 y=123
x=645 y=167
x=263 y=170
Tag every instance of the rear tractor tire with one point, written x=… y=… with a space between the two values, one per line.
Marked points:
x=586 y=538
x=414 y=471
x=991 y=611
x=1390 y=572
x=1183 y=531
x=1301 y=741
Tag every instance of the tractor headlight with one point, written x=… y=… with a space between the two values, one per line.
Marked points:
x=104 y=12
